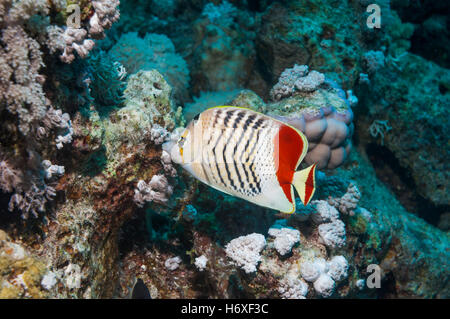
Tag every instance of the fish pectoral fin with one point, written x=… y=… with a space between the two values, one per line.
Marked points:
x=305 y=183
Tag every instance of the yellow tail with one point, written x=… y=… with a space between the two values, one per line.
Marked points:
x=305 y=183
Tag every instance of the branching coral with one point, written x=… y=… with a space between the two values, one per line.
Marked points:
x=105 y=14
x=30 y=35
x=379 y=128
x=20 y=81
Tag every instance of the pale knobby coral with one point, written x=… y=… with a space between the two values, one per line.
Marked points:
x=158 y=190
x=200 y=262
x=172 y=263
x=337 y=268
x=295 y=79
x=333 y=234
x=347 y=203
x=324 y=212
x=73 y=276
x=291 y=287
x=49 y=280
x=244 y=251
x=285 y=238
x=166 y=161
x=324 y=285
x=32 y=200
x=331 y=229
x=31 y=197
x=55 y=119
x=323 y=274
x=51 y=170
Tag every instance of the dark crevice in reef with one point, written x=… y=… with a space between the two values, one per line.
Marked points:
x=259 y=5
x=147 y=229
x=431 y=19
x=387 y=287
x=401 y=183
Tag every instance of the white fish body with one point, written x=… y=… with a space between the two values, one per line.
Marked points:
x=248 y=155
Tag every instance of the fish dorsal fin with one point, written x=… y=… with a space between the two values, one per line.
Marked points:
x=225 y=106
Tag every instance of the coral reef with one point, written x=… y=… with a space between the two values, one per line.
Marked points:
x=154 y=51
x=244 y=251
x=400 y=101
x=89 y=102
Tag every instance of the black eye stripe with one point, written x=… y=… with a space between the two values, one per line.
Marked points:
x=196 y=117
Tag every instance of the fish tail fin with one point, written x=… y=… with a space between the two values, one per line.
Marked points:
x=305 y=183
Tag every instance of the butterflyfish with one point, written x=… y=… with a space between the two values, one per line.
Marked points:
x=246 y=154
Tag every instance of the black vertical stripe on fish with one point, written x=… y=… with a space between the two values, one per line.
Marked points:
x=226 y=160
x=215 y=159
x=228 y=116
x=238 y=118
x=254 y=145
x=216 y=117
x=245 y=162
x=258 y=123
x=236 y=156
x=249 y=121
x=241 y=182
x=258 y=185
x=254 y=182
